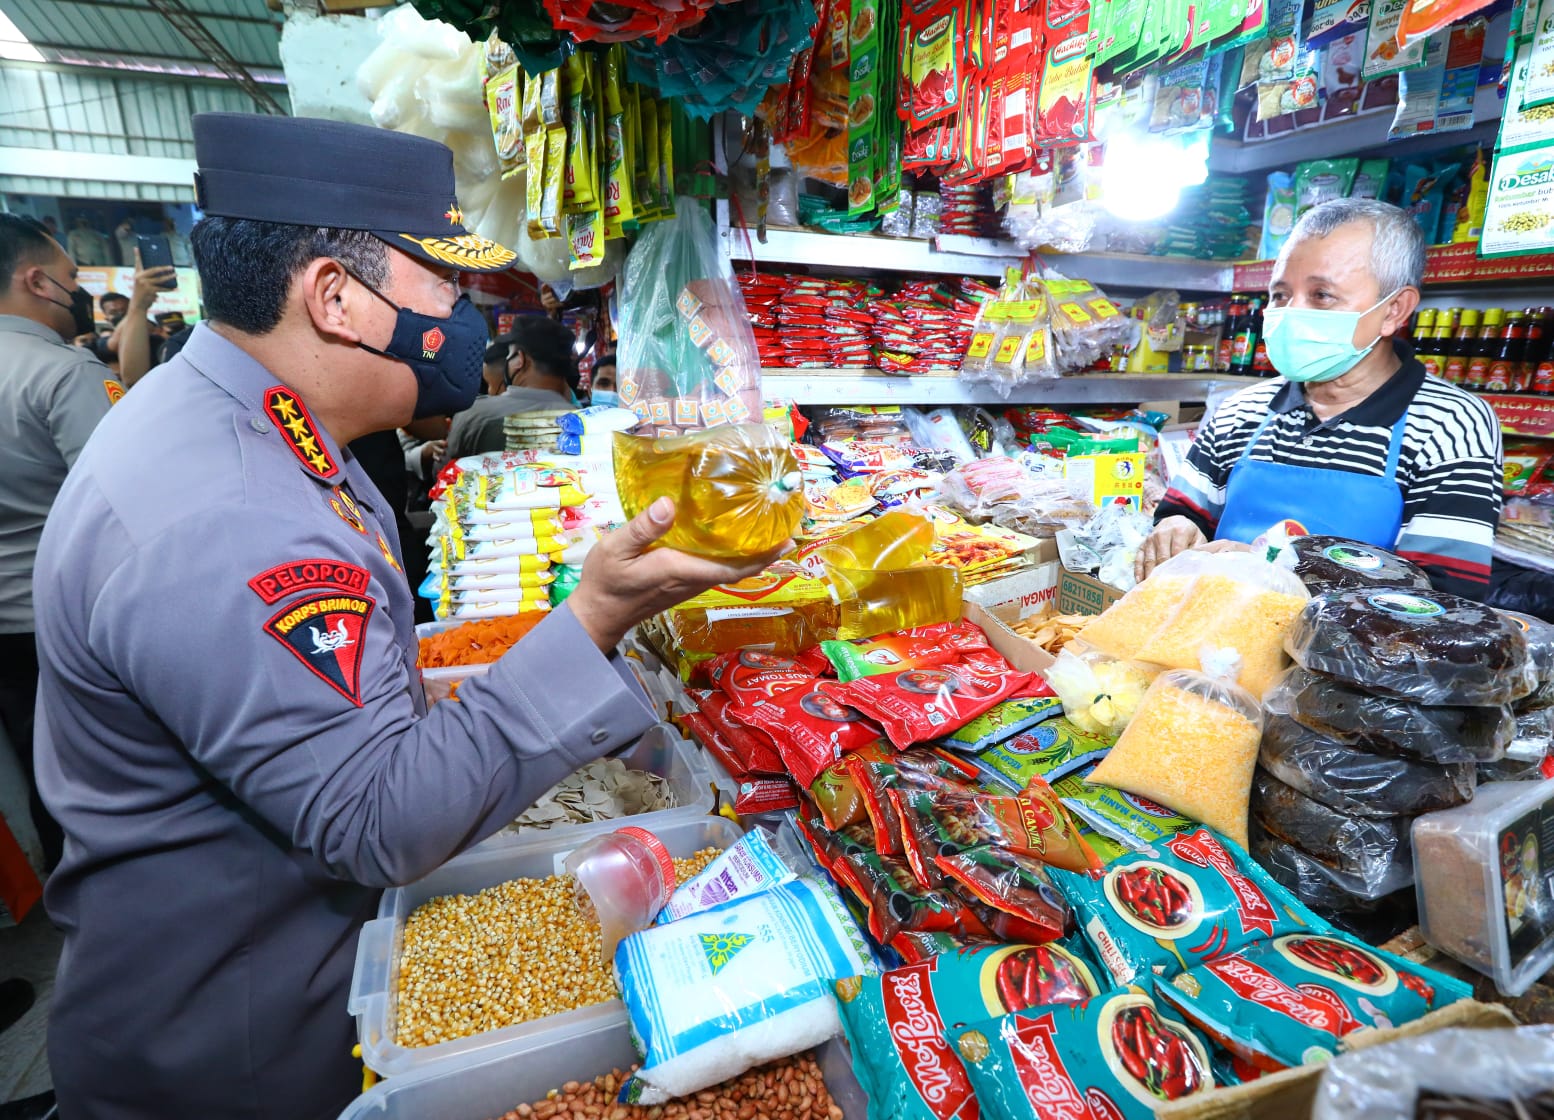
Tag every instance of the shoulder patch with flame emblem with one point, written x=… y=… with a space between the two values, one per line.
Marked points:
x=114 y=390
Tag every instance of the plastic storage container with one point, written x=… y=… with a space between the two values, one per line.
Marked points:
x=660 y=751
x=478 y=1086
x=438 y=684
x=1486 y=882
x=375 y=983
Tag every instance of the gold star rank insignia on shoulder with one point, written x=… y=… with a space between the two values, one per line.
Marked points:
x=296 y=426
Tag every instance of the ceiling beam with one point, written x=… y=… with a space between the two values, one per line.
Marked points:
x=190 y=26
x=140 y=9
x=165 y=65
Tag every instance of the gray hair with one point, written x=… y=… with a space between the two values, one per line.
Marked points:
x=1397 y=245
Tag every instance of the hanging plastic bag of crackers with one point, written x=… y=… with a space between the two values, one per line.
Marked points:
x=688 y=358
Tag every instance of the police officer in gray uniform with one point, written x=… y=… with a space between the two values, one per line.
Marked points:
x=229 y=724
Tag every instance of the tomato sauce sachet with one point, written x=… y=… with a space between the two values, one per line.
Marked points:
x=754 y=754
x=749 y=675
x=809 y=728
x=1287 y=1002
x=918 y=705
x=919 y=648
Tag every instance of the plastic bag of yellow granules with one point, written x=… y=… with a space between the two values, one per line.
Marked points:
x=1192 y=747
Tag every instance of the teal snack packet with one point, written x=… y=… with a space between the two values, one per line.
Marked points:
x=898 y=1023
x=1050 y=750
x=1198 y=896
x=1002 y=723
x=1115 y=1056
x=1287 y=1002
x=1135 y=822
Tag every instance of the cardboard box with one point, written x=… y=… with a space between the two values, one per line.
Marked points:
x=1084 y=594
x=1027 y=592
x=1024 y=654
x=1292 y=1094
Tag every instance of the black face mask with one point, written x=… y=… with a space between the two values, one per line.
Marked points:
x=80 y=307
x=446 y=355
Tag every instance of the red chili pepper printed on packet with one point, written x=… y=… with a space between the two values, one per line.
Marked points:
x=1114 y=1056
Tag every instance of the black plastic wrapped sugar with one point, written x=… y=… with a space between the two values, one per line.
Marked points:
x=1338 y=564
x=1358 y=783
x=1368 y=857
x=1386 y=725
x=1540 y=661
x=1428 y=647
x=1525 y=757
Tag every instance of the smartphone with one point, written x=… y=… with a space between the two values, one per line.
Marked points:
x=155 y=252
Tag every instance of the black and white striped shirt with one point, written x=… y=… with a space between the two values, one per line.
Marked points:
x=1449 y=470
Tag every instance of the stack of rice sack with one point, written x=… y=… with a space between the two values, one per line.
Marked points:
x=499 y=529
x=1398 y=694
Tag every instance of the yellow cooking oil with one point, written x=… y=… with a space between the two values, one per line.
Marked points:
x=737 y=488
x=872 y=602
x=897 y=539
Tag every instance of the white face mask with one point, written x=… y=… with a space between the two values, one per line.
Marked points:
x=1308 y=345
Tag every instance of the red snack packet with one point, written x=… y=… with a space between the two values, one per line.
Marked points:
x=748 y=675
x=814 y=662
x=915 y=946
x=765 y=795
x=876 y=773
x=944 y=821
x=704 y=733
x=755 y=755
x=809 y=729
x=921 y=647
x=922 y=704
x=885 y=886
x=835 y=792
x=1023 y=903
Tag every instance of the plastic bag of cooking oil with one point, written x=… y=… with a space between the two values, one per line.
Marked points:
x=688 y=358
x=737 y=489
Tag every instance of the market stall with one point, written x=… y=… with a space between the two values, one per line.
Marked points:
x=953 y=811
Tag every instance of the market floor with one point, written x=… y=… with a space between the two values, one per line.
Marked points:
x=31 y=951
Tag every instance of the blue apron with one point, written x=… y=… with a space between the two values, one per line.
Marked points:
x=1361 y=507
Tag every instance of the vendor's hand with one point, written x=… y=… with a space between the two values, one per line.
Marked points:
x=431 y=451
x=150 y=283
x=1171 y=536
x=625 y=580
x=1224 y=546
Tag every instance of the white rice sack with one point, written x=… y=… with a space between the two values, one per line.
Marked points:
x=723 y=991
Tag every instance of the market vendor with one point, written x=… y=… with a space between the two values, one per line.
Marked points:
x=230 y=726
x=1352 y=440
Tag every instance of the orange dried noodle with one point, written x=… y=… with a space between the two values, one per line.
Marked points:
x=1221 y=613
x=478 y=642
x=1124 y=627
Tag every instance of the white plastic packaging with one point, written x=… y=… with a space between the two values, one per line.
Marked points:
x=1486 y=893
x=749 y=867
x=722 y=991
x=1388 y=1082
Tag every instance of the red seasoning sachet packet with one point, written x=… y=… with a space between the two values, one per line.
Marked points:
x=918 y=705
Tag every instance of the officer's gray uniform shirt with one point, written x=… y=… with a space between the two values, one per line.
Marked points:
x=230 y=732
x=52 y=395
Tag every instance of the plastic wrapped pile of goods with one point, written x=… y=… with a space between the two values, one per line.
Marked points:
x=1397 y=698
x=499 y=526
